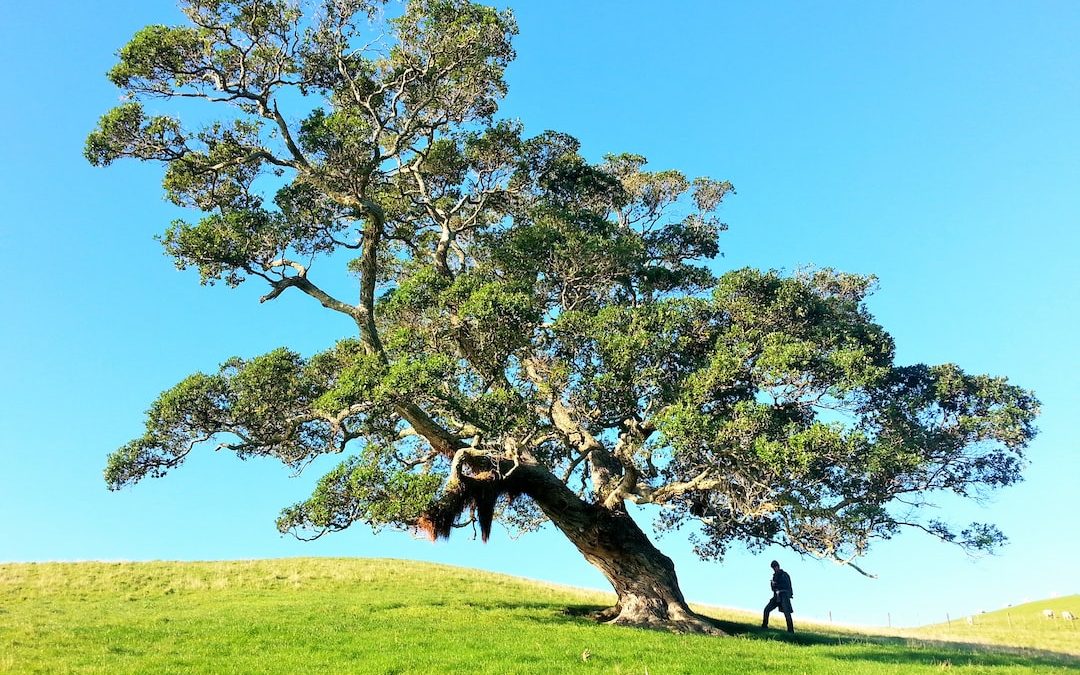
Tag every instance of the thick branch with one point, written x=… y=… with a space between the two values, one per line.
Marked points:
x=603 y=465
x=324 y=298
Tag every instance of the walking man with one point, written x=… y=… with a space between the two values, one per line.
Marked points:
x=781 y=597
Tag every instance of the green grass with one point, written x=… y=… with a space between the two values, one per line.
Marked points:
x=1019 y=626
x=392 y=616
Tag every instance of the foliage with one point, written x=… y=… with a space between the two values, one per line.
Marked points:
x=520 y=308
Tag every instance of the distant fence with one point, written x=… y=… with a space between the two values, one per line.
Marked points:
x=1062 y=619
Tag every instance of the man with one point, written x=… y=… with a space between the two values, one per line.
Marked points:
x=782 y=594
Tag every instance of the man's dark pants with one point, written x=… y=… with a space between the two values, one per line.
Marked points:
x=781 y=601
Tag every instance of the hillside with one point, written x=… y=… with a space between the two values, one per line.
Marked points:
x=383 y=616
x=1019 y=626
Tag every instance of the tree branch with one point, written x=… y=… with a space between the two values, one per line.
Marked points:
x=325 y=299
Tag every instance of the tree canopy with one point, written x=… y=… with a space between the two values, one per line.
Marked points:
x=538 y=337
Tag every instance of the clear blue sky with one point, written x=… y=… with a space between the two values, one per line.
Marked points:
x=934 y=144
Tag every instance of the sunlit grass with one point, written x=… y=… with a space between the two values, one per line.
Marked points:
x=1019 y=626
x=390 y=616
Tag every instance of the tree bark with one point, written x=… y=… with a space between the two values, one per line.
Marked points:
x=643 y=578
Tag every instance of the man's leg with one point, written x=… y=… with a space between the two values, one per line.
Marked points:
x=790 y=625
x=773 y=604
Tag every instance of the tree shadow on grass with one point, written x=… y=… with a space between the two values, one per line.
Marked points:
x=955 y=654
x=901 y=650
x=867 y=647
x=584 y=613
x=493 y=605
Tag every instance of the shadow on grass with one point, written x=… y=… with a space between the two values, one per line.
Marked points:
x=875 y=648
x=513 y=605
x=584 y=614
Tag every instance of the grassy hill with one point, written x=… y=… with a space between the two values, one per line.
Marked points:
x=1019 y=626
x=392 y=616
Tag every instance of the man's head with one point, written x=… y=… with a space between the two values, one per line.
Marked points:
x=775 y=565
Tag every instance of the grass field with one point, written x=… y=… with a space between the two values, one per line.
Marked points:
x=1019 y=626
x=392 y=616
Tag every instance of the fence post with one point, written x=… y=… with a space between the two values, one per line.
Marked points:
x=889 y=616
x=947 y=619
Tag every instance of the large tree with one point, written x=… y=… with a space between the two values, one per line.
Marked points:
x=538 y=338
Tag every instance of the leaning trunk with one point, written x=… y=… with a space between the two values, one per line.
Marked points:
x=643 y=578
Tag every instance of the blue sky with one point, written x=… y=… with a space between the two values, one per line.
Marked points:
x=936 y=145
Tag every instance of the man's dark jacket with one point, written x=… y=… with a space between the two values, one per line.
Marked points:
x=781 y=581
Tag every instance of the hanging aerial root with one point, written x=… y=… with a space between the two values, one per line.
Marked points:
x=438 y=520
x=477 y=494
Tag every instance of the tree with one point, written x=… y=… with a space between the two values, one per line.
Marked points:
x=538 y=338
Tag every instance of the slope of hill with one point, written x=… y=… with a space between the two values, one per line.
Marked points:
x=1018 y=626
x=383 y=616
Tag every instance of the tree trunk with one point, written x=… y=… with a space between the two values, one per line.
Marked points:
x=643 y=578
